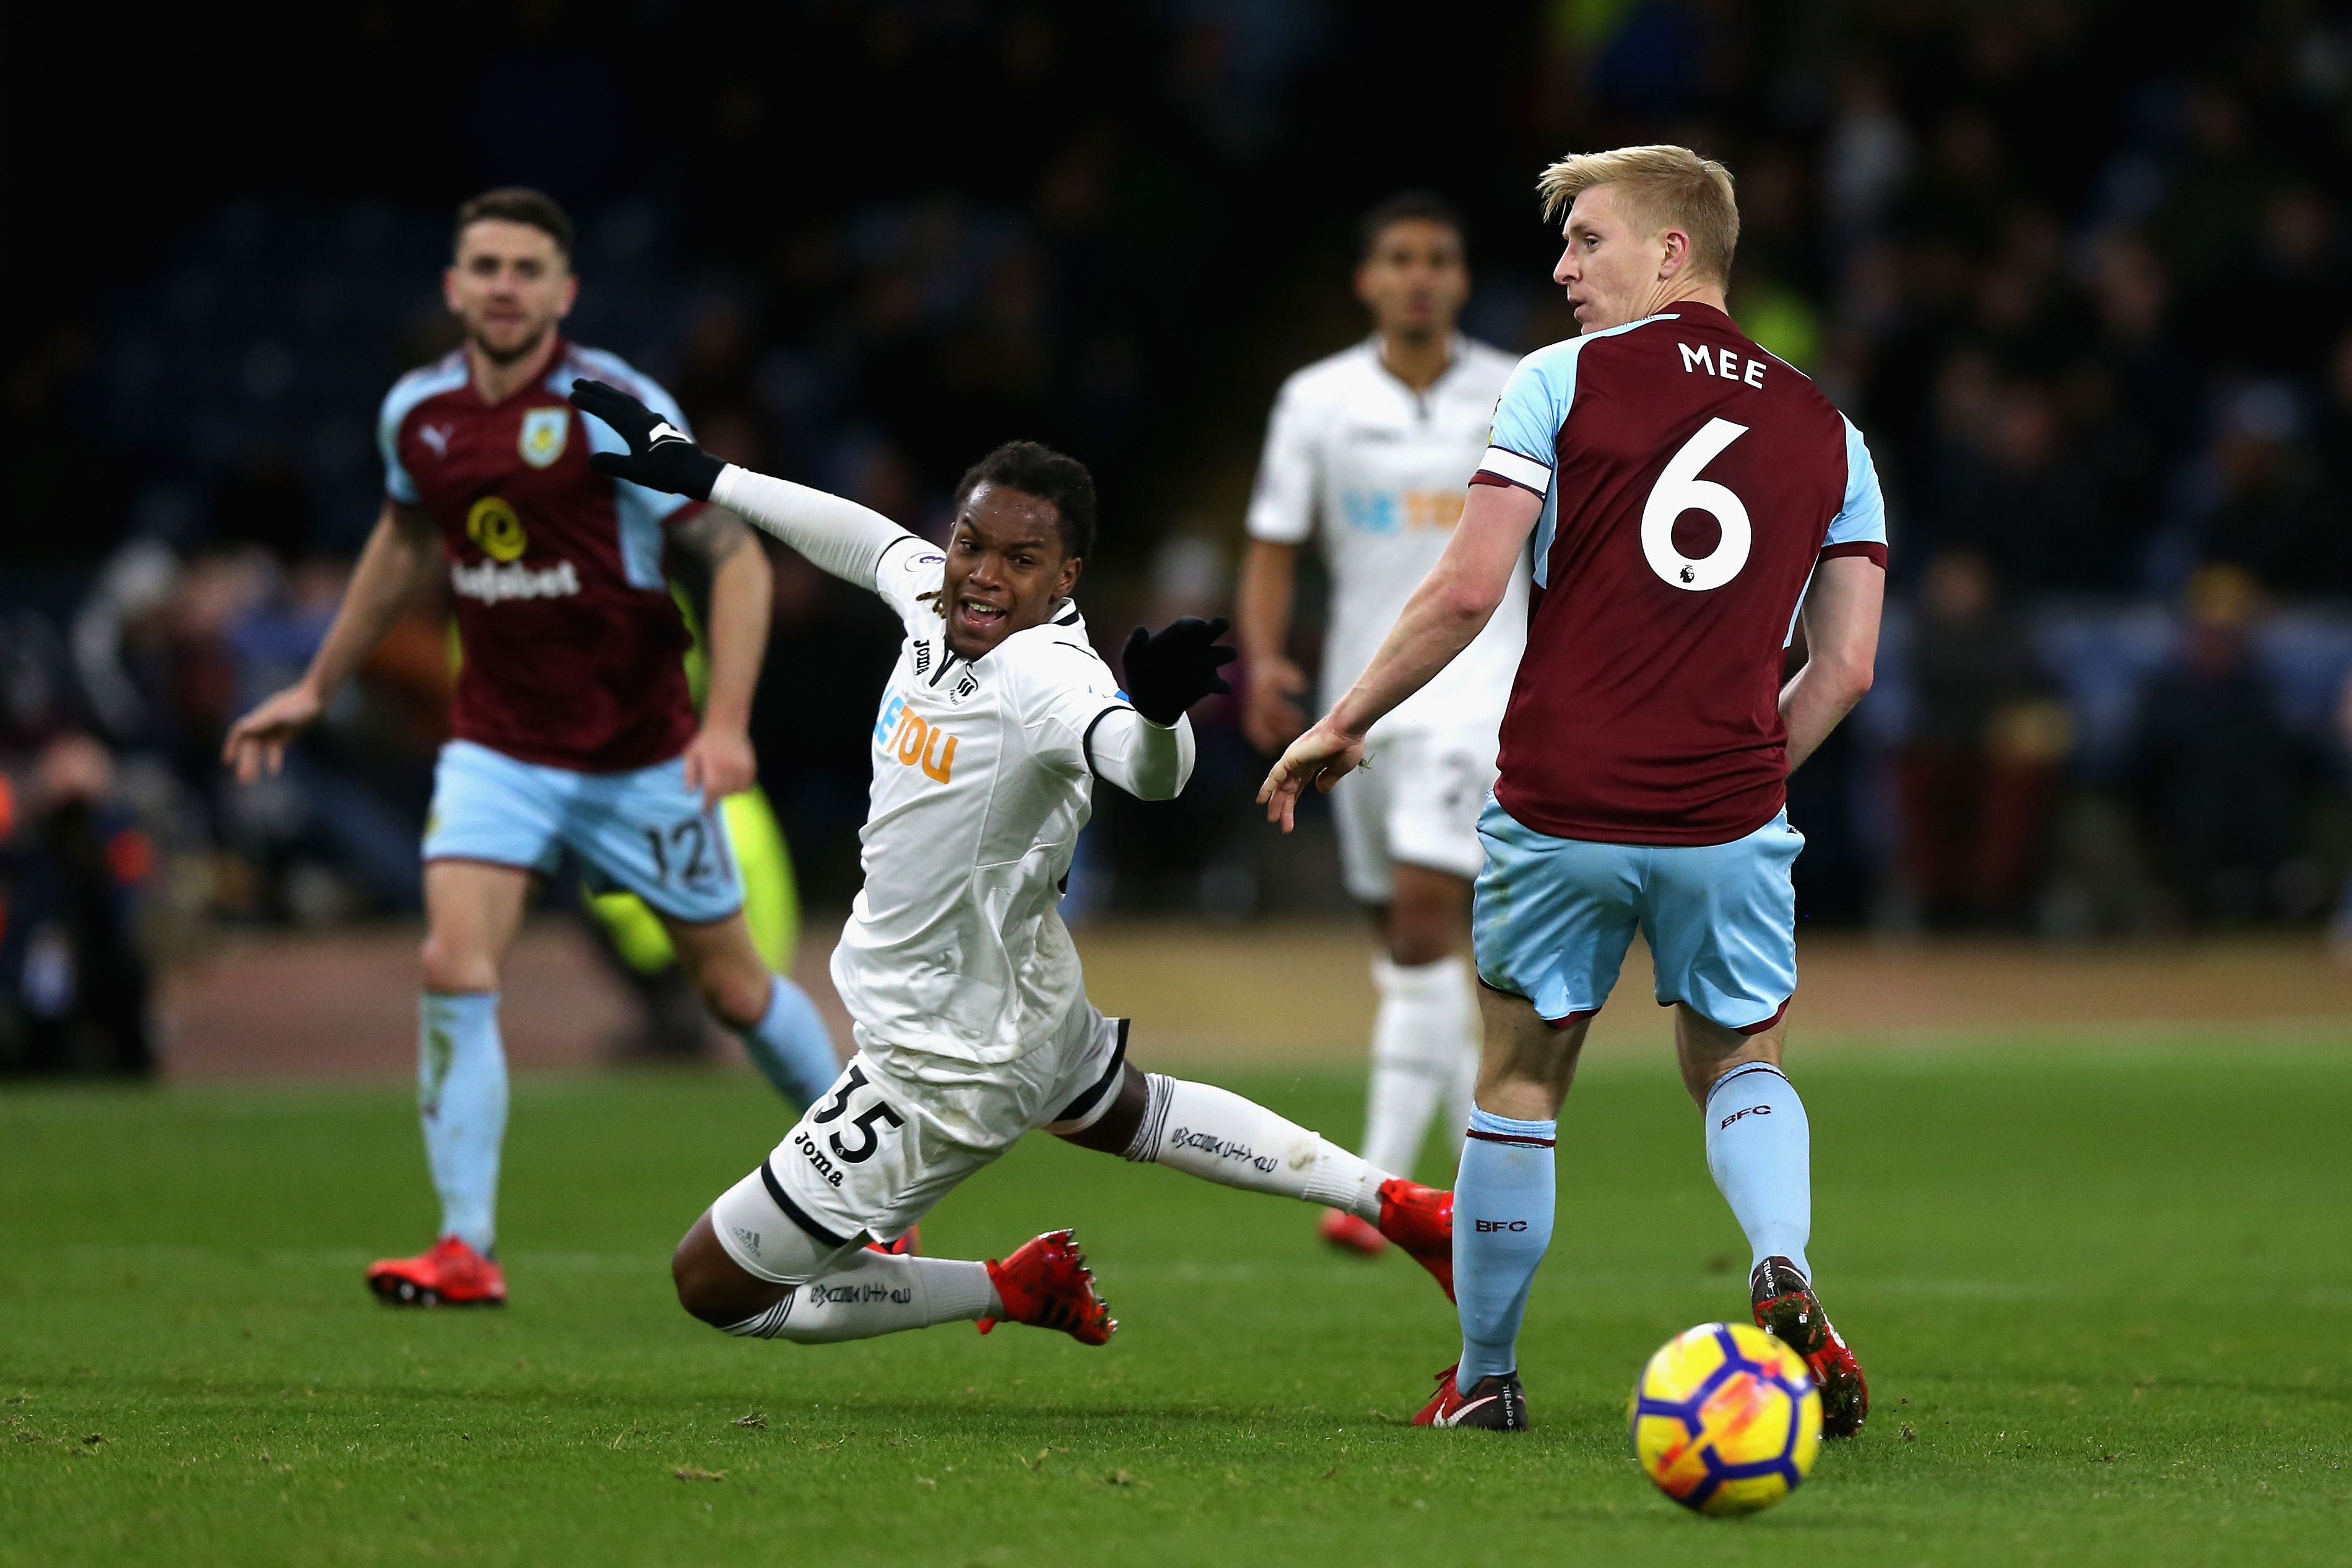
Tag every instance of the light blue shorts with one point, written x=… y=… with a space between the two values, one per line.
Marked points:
x=643 y=831
x=1554 y=916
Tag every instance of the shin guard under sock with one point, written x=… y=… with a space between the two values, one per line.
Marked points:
x=1760 y=1149
x=1425 y=1045
x=872 y=1294
x=1503 y=1202
x=461 y=1098
x=791 y=1045
x=1217 y=1135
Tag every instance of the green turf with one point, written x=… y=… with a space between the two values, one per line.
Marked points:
x=2104 y=1297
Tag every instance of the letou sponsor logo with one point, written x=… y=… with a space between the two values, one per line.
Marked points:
x=916 y=742
x=492 y=583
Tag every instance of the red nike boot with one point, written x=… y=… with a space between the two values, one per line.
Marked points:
x=911 y=1245
x=1491 y=1403
x=1787 y=1309
x=1420 y=1220
x=1047 y=1285
x=451 y=1275
x=1349 y=1234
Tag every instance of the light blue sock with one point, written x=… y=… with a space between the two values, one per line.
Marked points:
x=1759 y=1146
x=461 y=1093
x=1503 y=1201
x=791 y=1045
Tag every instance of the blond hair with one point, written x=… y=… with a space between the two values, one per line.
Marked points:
x=1667 y=187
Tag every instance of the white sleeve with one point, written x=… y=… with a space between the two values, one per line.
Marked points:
x=1282 y=503
x=844 y=538
x=1150 y=761
x=1078 y=721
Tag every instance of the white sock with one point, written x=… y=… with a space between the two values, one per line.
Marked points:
x=873 y=1295
x=1425 y=1054
x=1217 y=1135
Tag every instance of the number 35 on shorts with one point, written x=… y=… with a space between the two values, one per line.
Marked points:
x=866 y=1135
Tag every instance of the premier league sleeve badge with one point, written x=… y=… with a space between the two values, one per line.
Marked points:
x=543 y=434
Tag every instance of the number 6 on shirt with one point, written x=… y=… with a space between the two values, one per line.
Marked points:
x=1680 y=489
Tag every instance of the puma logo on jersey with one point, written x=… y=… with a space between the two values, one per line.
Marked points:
x=1722 y=362
x=436 y=436
x=904 y=734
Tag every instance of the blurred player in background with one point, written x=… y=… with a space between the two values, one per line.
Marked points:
x=1646 y=753
x=572 y=725
x=972 y=1023
x=1371 y=450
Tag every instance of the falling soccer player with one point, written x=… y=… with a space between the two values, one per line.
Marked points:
x=1692 y=498
x=573 y=725
x=1371 y=449
x=971 y=1011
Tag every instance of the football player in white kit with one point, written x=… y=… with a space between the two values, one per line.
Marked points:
x=1371 y=450
x=969 y=1010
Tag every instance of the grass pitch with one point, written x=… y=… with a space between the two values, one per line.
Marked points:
x=2104 y=1295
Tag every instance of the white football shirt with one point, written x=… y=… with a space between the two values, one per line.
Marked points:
x=984 y=774
x=1383 y=471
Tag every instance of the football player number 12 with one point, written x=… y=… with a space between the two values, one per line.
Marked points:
x=1680 y=489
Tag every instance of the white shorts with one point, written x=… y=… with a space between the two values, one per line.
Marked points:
x=1417 y=803
x=897 y=1133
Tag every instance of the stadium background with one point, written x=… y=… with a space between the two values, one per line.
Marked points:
x=2081 y=282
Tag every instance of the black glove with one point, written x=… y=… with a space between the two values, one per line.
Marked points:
x=660 y=456
x=1169 y=672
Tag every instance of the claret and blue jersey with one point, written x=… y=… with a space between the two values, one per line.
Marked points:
x=1690 y=482
x=574 y=650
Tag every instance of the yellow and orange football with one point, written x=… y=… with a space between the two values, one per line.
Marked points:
x=1726 y=1419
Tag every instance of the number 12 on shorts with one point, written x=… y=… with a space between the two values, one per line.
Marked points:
x=696 y=846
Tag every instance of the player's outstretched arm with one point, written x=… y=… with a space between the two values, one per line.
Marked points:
x=1148 y=752
x=399 y=555
x=1444 y=616
x=1841 y=618
x=842 y=537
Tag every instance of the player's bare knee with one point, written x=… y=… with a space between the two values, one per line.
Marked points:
x=449 y=967
x=710 y=1285
x=1412 y=943
x=1425 y=922
x=1113 y=1133
x=736 y=993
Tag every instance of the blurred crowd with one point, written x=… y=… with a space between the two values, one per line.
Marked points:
x=2078 y=272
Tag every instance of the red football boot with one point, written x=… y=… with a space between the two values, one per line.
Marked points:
x=451 y=1275
x=1420 y=1220
x=1349 y=1234
x=911 y=1245
x=1492 y=1403
x=1787 y=1309
x=1047 y=1285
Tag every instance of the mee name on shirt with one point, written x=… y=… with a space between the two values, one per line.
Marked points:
x=955 y=947
x=573 y=645
x=1383 y=469
x=1691 y=482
